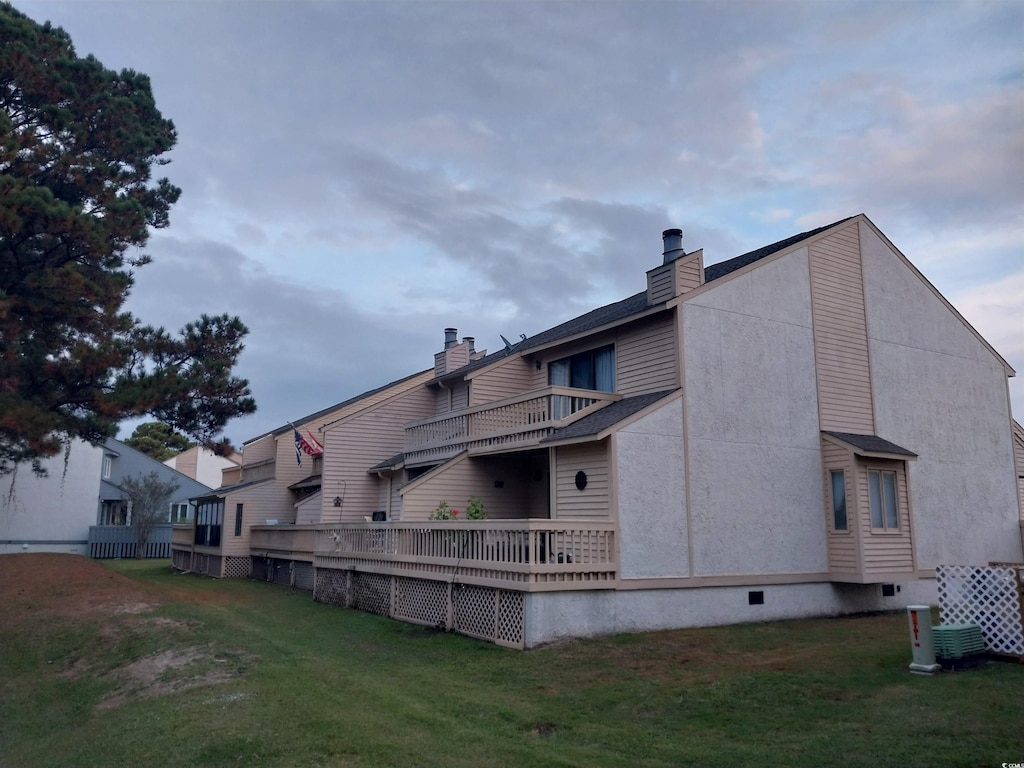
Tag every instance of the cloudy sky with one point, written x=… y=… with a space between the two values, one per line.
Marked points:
x=359 y=175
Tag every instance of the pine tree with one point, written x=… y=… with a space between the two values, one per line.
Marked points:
x=78 y=144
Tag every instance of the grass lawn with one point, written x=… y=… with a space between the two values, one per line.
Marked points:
x=128 y=664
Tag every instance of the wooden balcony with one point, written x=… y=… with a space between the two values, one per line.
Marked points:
x=182 y=535
x=290 y=542
x=509 y=424
x=522 y=555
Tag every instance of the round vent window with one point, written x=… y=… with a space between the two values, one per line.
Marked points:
x=581 y=479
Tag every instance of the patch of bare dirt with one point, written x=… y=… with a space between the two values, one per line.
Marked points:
x=72 y=586
x=171 y=671
x=62 y=589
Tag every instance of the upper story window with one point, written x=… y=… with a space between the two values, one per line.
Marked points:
x=108 y=463
x=593 y=369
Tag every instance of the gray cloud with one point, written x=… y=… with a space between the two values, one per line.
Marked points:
x=386 y=169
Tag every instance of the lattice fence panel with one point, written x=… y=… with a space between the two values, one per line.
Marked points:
x=989 y=596
x=421 y=601
x=474 y=610
x=511 y=625
x=372 y=593
x=237 y=567
x=330 y=587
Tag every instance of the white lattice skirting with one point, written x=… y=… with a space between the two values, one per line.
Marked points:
x=989 y=596
x=482 y=612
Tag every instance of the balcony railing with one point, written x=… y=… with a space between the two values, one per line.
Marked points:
x=524 y=555
x=513 y=422
x=293 y=542
x=259 y=471
x=181 y=535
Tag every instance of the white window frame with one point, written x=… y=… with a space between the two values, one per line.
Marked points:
x=884 y=511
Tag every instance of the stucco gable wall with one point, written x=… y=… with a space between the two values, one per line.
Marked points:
x=751 y=418
x=652 y=495
x=939 y=391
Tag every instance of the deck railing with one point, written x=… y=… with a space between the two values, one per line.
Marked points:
x=181 y=535
x=520 y=420
x=292 y=542
x=527 y=555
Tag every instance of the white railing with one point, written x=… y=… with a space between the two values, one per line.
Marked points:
x=523 y=419
x=525 y=555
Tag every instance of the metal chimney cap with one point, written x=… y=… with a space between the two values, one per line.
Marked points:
x=450 y=337
x=673 y=241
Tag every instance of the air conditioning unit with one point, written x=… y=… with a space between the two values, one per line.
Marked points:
x=959 y=646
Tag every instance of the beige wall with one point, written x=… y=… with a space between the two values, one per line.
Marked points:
x=261 y=502
x=645 y=356
x=463 y=477
x=358 y=442
x=259 y=450
x=840 y=333
x=508 y=378
x=843 y=546
x=885 y=552
x=592 y=503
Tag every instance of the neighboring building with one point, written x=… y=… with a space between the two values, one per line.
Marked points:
x=807 y=429
x=51 y=513
x=278 y=484
x=121 y=461
x=203 y=465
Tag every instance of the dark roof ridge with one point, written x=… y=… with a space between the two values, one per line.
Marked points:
x=342 y=404
x=723 y=268
x=632 y=305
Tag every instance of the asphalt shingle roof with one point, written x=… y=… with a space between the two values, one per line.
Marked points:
x=325 y=411
x=632 y=305
x=611 y=414
x=870 y=443
x=723 y=268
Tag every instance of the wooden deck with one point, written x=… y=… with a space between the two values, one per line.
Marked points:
x=521 y=555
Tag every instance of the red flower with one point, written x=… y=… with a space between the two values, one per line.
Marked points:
x=455 y=513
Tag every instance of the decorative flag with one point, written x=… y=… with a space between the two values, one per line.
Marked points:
x=299 y=440
x=313 y=447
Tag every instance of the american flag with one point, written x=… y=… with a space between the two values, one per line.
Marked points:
x=311 y=446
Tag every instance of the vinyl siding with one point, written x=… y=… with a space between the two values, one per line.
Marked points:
x=884 y=552
x=508 y=378
x=259 y=450
x=842 y=545
x=675 y=278
x=358 y=442
x=1018 y=460
x=460 y=395
x=840 y=333
x=645 y=356
x=463 y=477
x=259 y=504
x=592 y=502
x=689 y=272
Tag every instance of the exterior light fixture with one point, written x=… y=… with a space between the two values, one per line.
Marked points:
x=337 y=501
